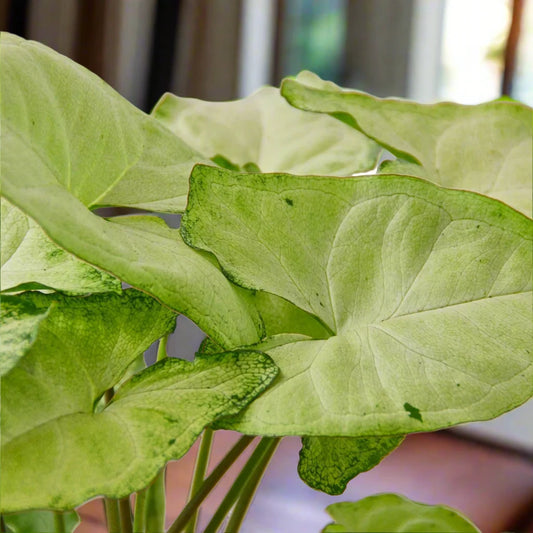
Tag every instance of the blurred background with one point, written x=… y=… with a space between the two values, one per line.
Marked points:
x=463 y=50
x=468 y=51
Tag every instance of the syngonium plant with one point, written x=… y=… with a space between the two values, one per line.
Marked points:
x=347 y=310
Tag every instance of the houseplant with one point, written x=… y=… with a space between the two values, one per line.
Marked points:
x=390 y=303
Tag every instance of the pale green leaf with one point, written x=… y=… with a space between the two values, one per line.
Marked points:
x=427 y=292
x=281 y=316
x=52 y=396
x=484 y=148
x=30 y=260
x=40 y=521
x=63 y=126
x=264 y=130
x=19 y=324
x=395 y=514
x=329 y=463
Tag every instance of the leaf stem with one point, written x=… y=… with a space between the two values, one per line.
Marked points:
x=255 y=460
x=249 y=489
x=111 y=514
x=139 y=517
x=209 y=483
x=200 y=468
x=59 y=522
x=154 y=506
x=162 y=348
x=124 y=510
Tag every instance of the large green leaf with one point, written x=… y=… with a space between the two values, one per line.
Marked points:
x=484 y=148
x=30 y=260
x=62 y=125
x=329 y=463
x=70 y=143
x=264 y=130
x=40 y=522
x=427 y=292
x=51 y=396
x=395 y=514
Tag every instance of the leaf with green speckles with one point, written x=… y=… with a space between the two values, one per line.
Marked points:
x=484 y=148
x=83 y=347
x=19 y=325
x=329 y=463
x=30 y=260
x=395 y=514
x=263 y=132
x=426 y=294
x=39 y=522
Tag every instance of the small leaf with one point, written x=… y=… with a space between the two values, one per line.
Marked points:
x=329 y=463
x=426 y=293
x=394 y=513
x=39 y=521
x=484 y=148
x=30 y=260
x=263 y=132
x=83 y=347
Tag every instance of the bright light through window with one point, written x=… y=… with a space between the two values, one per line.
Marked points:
x=475 y=33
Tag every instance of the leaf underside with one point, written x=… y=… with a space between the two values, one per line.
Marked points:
x=427 y=292
x=329 y=463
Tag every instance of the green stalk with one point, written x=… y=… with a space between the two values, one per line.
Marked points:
x=124 y=510
x=200 y=468
x=112 y=516
x=150 y=503
x=139 y=516
x=249 y=490
x=162 y=348
x=59 y=522
x=255 y=460
x=208 y=484
x=154 y=507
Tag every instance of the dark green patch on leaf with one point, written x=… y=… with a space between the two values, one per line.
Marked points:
x=413 y=411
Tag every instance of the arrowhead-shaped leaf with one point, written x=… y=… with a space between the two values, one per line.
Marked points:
x=394 y=513
x=484 y=148
x=70 y=143
x=62 y=125
x=52 y=395
x=30 y=260
x=427 y=292
x=264 y=130
x=329 y=463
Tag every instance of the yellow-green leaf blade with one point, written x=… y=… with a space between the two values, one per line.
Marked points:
x=426 y=291
x=264 y=130
x=396 y=514
x=30 y=260
x=484 y=148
